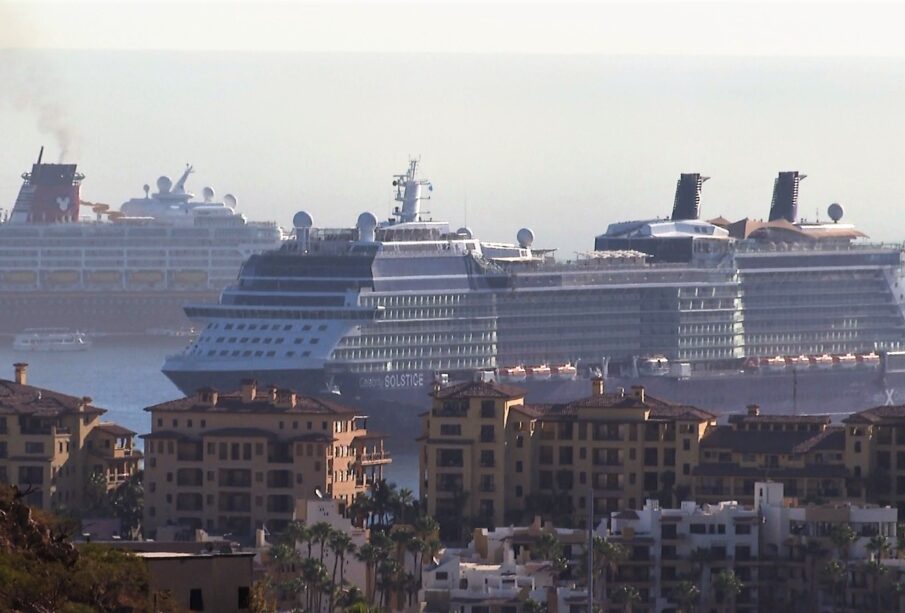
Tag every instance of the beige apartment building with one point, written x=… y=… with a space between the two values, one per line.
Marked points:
x=237 y=462
x=486 y=455
x=875 y=453
x=803 y=452
x=53 y=443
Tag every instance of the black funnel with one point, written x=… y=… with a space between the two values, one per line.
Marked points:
x=785 y=196
x=687 y=204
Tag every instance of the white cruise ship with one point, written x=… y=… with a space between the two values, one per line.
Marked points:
x=692 y=308
x=124 y=270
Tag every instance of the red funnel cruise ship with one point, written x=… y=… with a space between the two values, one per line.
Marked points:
x=65 y=262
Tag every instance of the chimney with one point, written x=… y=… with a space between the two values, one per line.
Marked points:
x=84 y=403
x=753 y=410
x=21 y=373
x=272 y=393
x=638 y=392
x=597 y=386
x=286 y=399
x=249 y=390
x=208 y=396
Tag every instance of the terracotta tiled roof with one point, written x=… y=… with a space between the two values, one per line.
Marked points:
x=731 y=469
x=115 y=429
x=30 y=400
x=876 y=415
x=757 y=441
x=659 y=409
x=783 y=419
x=233 y=403
x=480 y=389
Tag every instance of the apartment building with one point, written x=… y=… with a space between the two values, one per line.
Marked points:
x=237 y=462
x=487 y=455
x=875 y=453
x=803 y=452
x=53 y=443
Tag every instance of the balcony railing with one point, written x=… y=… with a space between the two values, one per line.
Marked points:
x=376 y=457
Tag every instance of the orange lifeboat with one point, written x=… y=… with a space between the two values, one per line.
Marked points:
x=824 y=361
x=869 y=360
x=564 y=371
x=541 y=371
x=512 y=373
x=846 y=361
x=777 y=363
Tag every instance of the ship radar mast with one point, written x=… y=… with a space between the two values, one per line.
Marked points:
x=179 y=188
x=408 y=192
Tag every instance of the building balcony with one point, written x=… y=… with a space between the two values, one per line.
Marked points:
x=373 y=458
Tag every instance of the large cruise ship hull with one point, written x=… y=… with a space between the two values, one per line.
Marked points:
x=394 y=401
x=108 y=312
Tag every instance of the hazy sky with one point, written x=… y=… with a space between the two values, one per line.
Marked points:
x=559 y=117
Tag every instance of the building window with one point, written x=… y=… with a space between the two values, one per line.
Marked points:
x=686 y=469
x=196 y=600
x=518 y=494
x=519 y=467
x=488 y=409
x=450 y=430
x=34 y=447
x=686 y=444
x=857 y=449
x=244 y=597
x=487 y=434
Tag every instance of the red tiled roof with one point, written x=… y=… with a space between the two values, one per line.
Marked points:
x=30 y=400
x=479 y=389
x=233 y=403
x=876 y=414
x=115 y=429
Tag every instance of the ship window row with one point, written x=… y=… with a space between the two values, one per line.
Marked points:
x=410 y=365
x=271 y=300
x=418 y=352
x=257 y=354
x=402 y=339
x=323 y=285
x=257 y=340
x=211 y=313
x=283 y=327
x=419 y=300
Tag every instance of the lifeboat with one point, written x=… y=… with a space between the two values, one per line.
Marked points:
x=541 y=371
x=845 y=361
x=801 y=362
x=777 y=363
x=564 y=371
x=21 y=277
x=824 y=361
x=869 y=360
x=512 y=373
x=191 y=277
x=62 y=277
x=104 y=276
x=654 y=366
x=146 y=277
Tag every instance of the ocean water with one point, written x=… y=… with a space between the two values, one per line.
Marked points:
x=122 y=375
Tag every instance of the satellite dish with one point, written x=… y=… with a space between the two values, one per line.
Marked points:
x=208 y=193
x=164 y=184
x=318 y=493
x=465 y=231
x=147 y=188
x=230 y=201
x=525 y=237
x=835 y=211
x=302 y=219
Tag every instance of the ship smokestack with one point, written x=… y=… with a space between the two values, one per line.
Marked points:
x=40 y=154
x=785 y=196
x=687 y=204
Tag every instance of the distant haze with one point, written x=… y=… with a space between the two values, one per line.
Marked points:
x=561 y=143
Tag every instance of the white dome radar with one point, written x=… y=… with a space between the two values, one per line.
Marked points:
x=208 y=194
x=465 y=231
x=525 y=238
x=230 y=201
x=302 y=219
x=164 y=184
x=835 y=211
x=366 y=224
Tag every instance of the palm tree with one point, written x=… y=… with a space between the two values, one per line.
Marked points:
x=416 y=546
x=405 y=502
x=727 y=586
x=627 y=596
x=298 y=532
x=535 y=606
x=360 y=510
x=842 y=538
x=834 y=573
x=370 y=555
x=320 y=532
x=875 y=570
x=685 y=595
x=340 y=544
x=607 y=556
x=813 y=551
x=879 y=546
